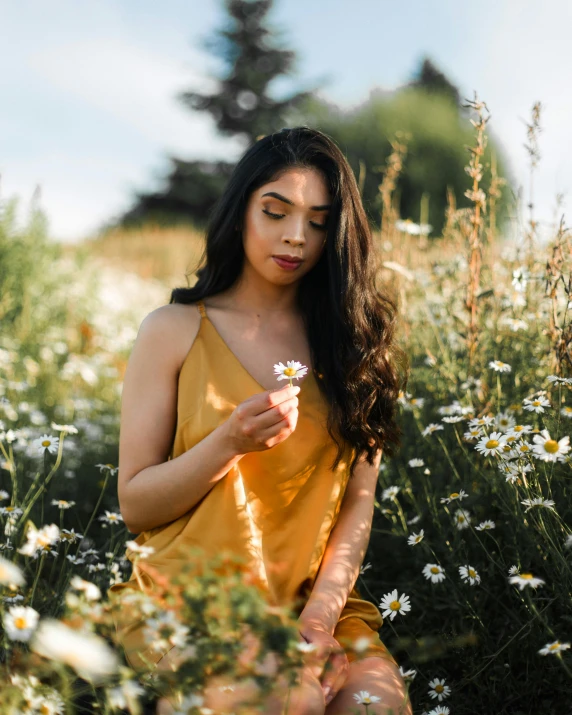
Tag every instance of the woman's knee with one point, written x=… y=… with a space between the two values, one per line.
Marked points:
x=305 y=698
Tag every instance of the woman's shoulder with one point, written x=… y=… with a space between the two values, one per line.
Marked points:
x=174 y=326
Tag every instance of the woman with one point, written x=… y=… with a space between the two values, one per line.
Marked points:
x=213 y=453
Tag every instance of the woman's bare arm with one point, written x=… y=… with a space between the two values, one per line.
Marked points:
x=345 y=550
x=152 y=489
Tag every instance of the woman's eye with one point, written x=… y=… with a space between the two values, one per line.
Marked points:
x=278 y=216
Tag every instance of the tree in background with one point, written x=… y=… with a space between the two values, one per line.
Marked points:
x=437 y=132
x=241 y=107
x=432 y=80
x=428 y=110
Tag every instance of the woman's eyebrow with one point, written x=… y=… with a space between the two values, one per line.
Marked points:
x=325 y=207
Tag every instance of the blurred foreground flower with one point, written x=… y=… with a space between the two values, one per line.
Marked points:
x=88 y=654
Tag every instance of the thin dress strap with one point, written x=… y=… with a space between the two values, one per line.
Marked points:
x=201 y=307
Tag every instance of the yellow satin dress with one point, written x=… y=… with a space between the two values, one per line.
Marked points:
x=275 y=507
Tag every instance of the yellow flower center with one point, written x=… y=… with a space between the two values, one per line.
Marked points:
x=438 y=688
x=20 y=622
x=435 y=569
x=472 y=573
x=10 y=508
x=524 y=448
x=551 y=445
x=491 y=444
x=454 y=495
x=290 y=371
x=554 y=646
x=518 y=428
x=395 y=605
x=46 y=443
x=526 y=576
x=536 y=403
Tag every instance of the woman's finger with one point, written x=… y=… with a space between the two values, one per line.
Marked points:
x=335 y=674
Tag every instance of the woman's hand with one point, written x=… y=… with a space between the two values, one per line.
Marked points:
x=263 y=420
x=328 y=657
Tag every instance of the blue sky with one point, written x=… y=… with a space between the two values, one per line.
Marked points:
x=88 y=88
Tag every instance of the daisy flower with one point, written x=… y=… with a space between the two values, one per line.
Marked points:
x=142 y=550
x=525 y=579
x=493 y=444
x=407 y=674
x=10 y=573
x=110 y=517
x=3 y=495
x=40 y=540
x=432 y=427
x=487 y=524
x=462 y=519
x=484 y=421
x=68 y=429
x=536 y=405
x=504 y=421
x=390 y=493
x=20 y=622
x=439 y=710
x=468 y=573
x=416 y=462
x=473 y=433
x=513 y=570
x=438 y=689
x=538 y=501
x=62 y=503
x=548 y=449
x=434 y=572
x=46 y=442
x=556 y=647
x=293 y=370
x=415 y=538
x=108 y=468
x=364 y=698
x=559 y=380
x=566 y=411
x=88 y=654
x=92 y=592
x=500 y=366
x=455 y=495
x=520 y=277
x=393 y=605
x=519 y=430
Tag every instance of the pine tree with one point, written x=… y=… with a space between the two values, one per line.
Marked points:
x=432 y=80
x=241 y=106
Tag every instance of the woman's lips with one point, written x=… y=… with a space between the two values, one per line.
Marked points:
x=287 y=265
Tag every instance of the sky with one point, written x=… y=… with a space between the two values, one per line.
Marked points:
x=88 y=89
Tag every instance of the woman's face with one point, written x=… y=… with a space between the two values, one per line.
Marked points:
x=300 y=206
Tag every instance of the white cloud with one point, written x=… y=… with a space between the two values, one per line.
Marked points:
x=135 y=86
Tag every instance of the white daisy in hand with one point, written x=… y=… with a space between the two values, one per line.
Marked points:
x=293 y=370
x=393 y=605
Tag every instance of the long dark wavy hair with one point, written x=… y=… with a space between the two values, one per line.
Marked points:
x=350 y=323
